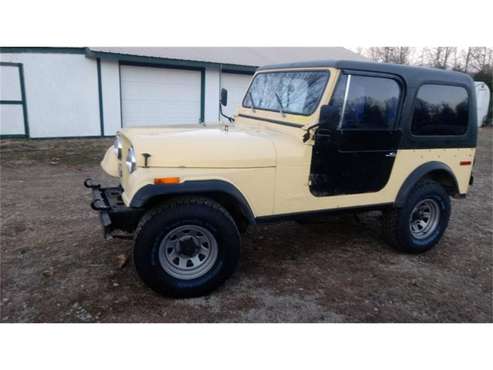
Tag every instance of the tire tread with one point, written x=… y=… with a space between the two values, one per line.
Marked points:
x=392 y=217
x=175 y=203
x=175 y=288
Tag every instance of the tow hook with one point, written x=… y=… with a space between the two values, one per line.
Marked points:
x=89 y=183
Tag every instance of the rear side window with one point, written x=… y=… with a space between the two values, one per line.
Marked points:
x=440 y=110
x=371 y=103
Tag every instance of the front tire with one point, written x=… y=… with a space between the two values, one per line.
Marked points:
x=419 y=225
x=186 y=247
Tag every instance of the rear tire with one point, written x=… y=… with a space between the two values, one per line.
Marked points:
x=186 y=247
x=419 y=225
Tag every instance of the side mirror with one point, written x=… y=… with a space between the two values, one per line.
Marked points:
x=224 y=97
x=330 y=117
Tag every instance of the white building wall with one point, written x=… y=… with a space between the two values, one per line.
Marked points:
x=110 y=82
x=61 y=93
x=212 y=89
x=236 y=84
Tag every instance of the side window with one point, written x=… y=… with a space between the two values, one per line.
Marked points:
x=337 y=100
x=372 y=103
x=440 y=110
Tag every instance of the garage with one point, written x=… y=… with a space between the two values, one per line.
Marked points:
x=12 y=119
x=236 y=84
x=154 y=96
x=95 y=91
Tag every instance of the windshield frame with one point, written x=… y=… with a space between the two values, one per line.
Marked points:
x=315 y=107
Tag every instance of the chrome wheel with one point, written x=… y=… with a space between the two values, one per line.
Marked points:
x=424 y=219
x=188 y=252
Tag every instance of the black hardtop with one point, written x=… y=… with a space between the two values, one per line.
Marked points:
x=413 y=76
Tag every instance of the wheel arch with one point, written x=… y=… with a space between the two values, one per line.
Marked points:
x=225 y=193
x=437 y=171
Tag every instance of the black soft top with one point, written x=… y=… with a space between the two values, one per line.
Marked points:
x=413 y=76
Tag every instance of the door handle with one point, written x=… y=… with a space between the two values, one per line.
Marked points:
x=390 y=155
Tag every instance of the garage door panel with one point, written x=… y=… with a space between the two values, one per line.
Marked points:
x=160 y=96
x=236 y=84
x=145 y=90
x=169 y=79
x=154 y=74
x=151 y=113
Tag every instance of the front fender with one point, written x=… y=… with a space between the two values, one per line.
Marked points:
x=145 y=194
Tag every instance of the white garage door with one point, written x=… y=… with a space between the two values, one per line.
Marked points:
x=11 y=108
x=160 y=96
x=236 y=84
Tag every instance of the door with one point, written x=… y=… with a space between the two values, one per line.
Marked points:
x=160 y=96
x=359 y=155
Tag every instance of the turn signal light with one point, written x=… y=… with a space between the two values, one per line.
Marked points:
x=465 y=163
x=166 y=180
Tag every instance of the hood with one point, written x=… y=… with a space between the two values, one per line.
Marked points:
x=198 y=146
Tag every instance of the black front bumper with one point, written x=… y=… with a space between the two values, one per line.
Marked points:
x=113 y=212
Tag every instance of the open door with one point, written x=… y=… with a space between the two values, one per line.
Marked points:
x=354 y=150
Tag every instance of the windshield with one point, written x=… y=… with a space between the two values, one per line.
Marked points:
x=287 y=92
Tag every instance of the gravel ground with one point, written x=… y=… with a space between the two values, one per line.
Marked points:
x=56 y=267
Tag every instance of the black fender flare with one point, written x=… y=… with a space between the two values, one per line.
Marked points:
x=194 y=187
x=417 y=175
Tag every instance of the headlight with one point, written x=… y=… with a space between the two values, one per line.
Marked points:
x=131 y=161
x=117 y=147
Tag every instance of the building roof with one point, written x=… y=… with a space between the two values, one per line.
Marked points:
x=240 y=56
x=239 y=59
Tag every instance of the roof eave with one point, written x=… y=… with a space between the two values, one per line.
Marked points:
x=169 y=62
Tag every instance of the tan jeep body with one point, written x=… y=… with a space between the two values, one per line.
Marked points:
x=267 y=162
x=317 y=138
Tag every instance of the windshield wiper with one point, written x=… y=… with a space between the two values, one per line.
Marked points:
x=251 y=101
x=281 y=107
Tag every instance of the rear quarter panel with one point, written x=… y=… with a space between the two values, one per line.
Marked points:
x=293 y=193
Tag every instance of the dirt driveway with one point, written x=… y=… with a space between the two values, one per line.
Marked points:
x=56 y=267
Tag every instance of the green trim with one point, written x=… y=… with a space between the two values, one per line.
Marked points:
x=10 y=64
x=100 y=96
x=160 y=65
x=57 y=137
x=232 y=71
x=22 y=102
x=121 y=98
x=170 y=62
x=43 y=50
x=68 y=137
x=10 y=101
x=20 y=136
x=202 y=96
